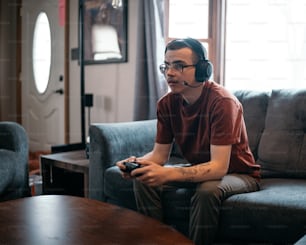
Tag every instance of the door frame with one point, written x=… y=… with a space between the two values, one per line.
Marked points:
x=66 y=69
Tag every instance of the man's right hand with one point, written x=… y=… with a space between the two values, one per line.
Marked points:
x=122 y=167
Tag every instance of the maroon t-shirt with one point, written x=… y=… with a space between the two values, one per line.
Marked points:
x=216 y=118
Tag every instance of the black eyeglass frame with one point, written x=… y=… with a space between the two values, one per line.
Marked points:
x=176 y=66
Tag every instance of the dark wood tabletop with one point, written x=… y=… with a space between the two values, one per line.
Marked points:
x=59 y=219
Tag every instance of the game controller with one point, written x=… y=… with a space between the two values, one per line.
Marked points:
x=130 y=166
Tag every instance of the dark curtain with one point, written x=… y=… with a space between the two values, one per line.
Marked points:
x=150 y=84
x=9 y=77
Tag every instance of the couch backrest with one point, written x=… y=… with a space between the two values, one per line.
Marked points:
x=255 y=105
x=282 y=147
x=276 y=126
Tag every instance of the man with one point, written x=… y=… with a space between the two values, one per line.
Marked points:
x=207 y=124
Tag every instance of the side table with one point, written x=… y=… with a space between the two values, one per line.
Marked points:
x=65 y=173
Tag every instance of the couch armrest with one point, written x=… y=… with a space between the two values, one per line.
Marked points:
x=13 y=137
x=111 y=142
x=14 y=150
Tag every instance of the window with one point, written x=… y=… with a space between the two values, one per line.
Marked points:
x=41 y=52
x=266 y=44
x=185 y=22
x=253 y=44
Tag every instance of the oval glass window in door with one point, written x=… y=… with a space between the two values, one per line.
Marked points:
x=41 y=52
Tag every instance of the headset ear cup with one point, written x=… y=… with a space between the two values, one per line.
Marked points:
x=203 y=70
x=208 y=69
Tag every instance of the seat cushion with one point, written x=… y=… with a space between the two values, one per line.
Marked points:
x=117 y=190
x=275 y=213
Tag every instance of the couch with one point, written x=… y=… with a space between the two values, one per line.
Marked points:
x=14 y=176
x=276 y=125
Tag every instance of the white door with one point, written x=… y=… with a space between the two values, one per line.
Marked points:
x=43 y=107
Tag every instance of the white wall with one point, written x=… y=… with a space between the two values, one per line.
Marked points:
x=111 y=84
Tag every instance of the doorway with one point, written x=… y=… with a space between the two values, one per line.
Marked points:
x=44 y=73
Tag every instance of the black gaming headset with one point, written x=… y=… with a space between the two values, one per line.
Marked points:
x=204 y=68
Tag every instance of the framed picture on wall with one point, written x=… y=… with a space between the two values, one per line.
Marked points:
x=105 y=31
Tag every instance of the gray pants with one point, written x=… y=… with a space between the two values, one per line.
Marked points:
x=204 y=205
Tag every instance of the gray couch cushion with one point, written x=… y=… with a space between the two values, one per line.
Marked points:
x=282 y=148
x=277 y=212
x=280 y=206
x=117 y=190
x=255 y=105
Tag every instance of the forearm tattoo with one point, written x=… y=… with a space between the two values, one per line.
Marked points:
x=191 y=173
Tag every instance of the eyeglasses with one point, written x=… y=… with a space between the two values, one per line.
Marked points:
x=176 y=66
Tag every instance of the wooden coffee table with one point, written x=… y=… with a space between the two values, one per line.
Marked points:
x=60 y=219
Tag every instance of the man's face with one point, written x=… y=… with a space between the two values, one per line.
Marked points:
x=180 y=69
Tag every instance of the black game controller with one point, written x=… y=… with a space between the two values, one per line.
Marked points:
x=130 y=166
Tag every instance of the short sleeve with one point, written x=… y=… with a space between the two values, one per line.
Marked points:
x=226 y=122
